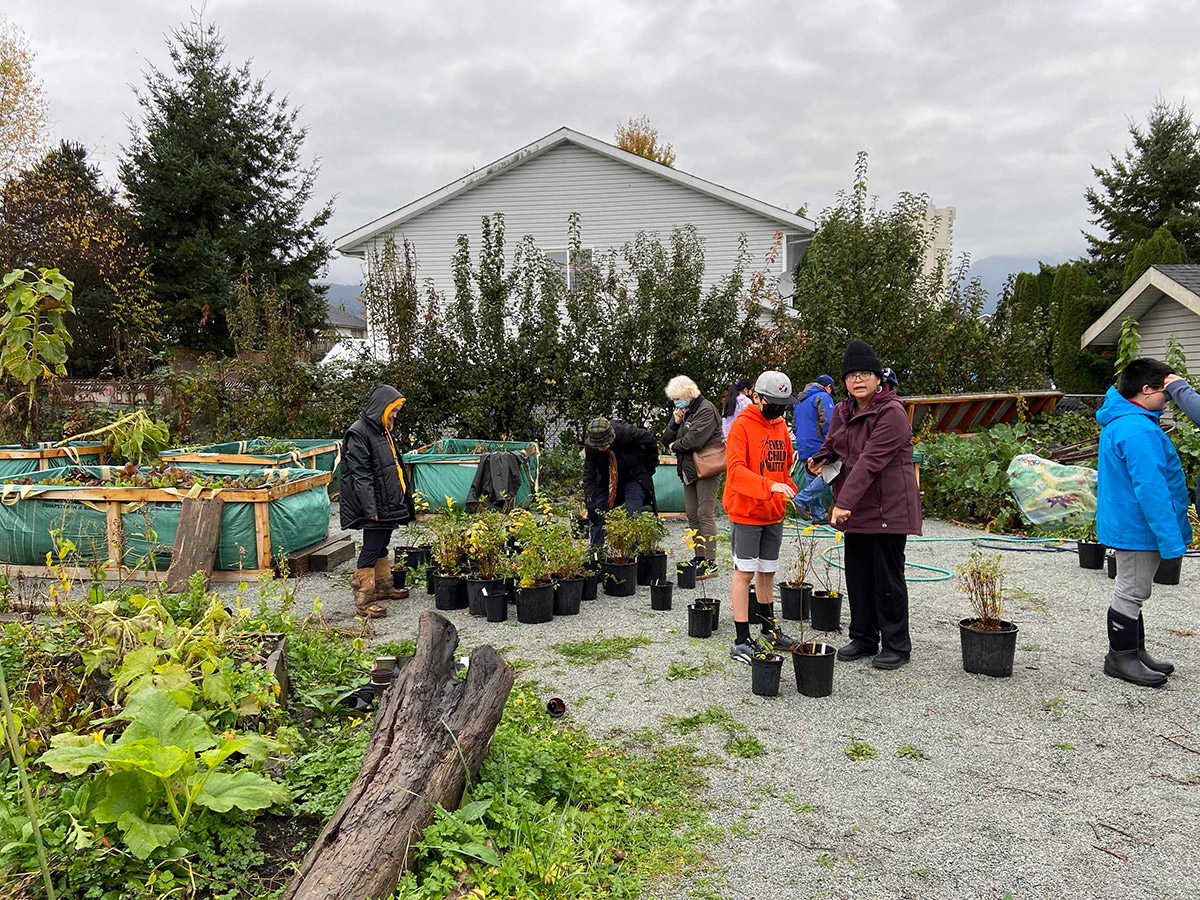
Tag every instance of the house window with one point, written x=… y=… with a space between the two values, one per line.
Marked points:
x=794 y=246
x=568 y=267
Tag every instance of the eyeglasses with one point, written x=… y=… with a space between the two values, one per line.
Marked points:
x=858 y=376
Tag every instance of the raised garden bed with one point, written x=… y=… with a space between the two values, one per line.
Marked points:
x=323 y=455
x=127 y=529
x=18 y=460
x=447 y=467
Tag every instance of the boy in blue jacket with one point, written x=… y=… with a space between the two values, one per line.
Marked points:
x=1141 y=511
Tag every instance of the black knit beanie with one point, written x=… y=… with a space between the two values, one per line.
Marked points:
x=860 y=357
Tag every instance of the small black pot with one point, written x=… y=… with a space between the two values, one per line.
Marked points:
x=715 y=606
x=413 y=557
x=753 y=599
x=535 y=604
x=988 y=652
x=1111 y=564
x=495 y=603
x=685 y=575
x=791 y=600
x=1168 y=571
x=764 y=675
x=660 y=595
x=620 y=579
x=813 y=664
x=582 y=527
x=651 y=568
x=450 y=592
x=567 y=595
x=591 y=584
x=430 y=578
x=826 y=611
x=399 y=578
x=1091 y=554
x=476 y=602
x=700 y=621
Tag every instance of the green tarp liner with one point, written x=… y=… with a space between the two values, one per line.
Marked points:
x=447 y=468
x=668 y=489
x=297 y=521
x=30 y=464
x=324 y=462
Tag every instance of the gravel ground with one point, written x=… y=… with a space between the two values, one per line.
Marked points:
x=1026 y=778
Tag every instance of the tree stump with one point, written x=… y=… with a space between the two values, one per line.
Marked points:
x=431 y=729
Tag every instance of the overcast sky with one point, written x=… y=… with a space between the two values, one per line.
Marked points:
x=995 y=108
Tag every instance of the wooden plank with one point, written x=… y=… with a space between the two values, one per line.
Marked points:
x=262 y=533
x=52 y=452
x=82 y=575
x=323 y=556
x=116 y=539
x=156 y=495
x=196 y=539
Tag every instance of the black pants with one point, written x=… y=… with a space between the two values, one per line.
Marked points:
x=877 y=592
x=374 y=546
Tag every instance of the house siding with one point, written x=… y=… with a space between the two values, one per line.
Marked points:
x=1166 y=318
x=615 y=201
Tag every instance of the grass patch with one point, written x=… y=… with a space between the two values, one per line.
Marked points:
x=909 y=752
x=794 y=804
x=860 y=750
x=679 y=671
x=826 y=861
x=745 y=746
x=597 y=650
x=1055 y=706
x=714 y=715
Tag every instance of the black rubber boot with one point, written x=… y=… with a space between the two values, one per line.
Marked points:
x=1122 y=659
x=1149 y=661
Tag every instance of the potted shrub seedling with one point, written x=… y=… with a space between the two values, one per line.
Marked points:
x=418 y=552
x=685 y=570
x=989 y=643
x=486 y=542
x=795 y=593
x=570 y=556
x=620 y=547
x=532 y=568
x=651 y=558
x=812 y=662
x=765 y=668
x=826 y=604
x=449 y=530
x=1091 y=551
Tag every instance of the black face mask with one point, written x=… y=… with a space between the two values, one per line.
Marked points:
x=773 y=410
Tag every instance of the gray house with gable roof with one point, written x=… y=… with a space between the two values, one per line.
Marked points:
x=1165 y=302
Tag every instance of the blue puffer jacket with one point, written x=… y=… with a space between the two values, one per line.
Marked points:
x=813 y=414
x=1143 y=497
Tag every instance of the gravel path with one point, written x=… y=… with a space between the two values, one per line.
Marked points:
x=1025 y=778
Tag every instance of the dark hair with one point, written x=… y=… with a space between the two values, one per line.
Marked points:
x=729 y=402
x=1142 y=373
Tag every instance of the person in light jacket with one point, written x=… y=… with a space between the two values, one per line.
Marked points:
x=876 y=505
x=695 y=426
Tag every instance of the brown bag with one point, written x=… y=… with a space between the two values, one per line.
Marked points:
x=710 y=461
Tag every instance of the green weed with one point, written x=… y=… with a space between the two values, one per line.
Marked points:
x=908 y=752
x=714 y=715
x=826 y=861
x=1063 y=745
x=1055 y=706
x=860 y=750
x=598 y=650
x=745 y=746
x=796 y=806
x=678 y=671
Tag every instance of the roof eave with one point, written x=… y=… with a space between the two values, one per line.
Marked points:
x=1139 y=297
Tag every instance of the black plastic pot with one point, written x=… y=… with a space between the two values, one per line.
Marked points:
x=450 y=592
x=495 y=603
x=700 y=621
x=567 y=595
x=988 y=652
x=1168 y=571
x=399 y=578
x=715 y=606
x=1091 y=554
x=582 y=527
x=826 y=611
x=591 y=584
x=753 y=599
x=535 y=604
x=475 y=599
x=651 y=568
x=764 y=675
x=430 y=578
x=813 y=664
x=685 y=575
x=1111 y=563
x=660 y=595
x=791 y=600
x=619 y=579
x=413 y=557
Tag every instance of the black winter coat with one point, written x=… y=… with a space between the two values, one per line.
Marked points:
x=637 y=458
x=373 y=480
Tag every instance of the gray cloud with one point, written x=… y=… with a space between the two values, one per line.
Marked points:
x=997 y=109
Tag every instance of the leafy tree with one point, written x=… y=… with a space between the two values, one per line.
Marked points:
x=214 y=175
x=640 y=137
x=58 y=214
x=1160 y=247
x=1076 y=294
x=24 y=116
x=1155 y=183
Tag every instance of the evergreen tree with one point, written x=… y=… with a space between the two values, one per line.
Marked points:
x=1076 y=294
x=1161 y=247
x=214 y=175
x=1155 y=183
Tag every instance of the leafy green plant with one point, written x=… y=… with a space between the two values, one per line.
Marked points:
x=1063 y=745
x=861 y=750
x=745 y=746
x=981 y=578
x=33 y=337
x=539 y=541
x=133 y=437
x=485 y=543
x=1127 y=344
x=449 y=529
x=910 y=752
x=165 y=767
x=648 y=533
x=597 y=650
x=621 y=536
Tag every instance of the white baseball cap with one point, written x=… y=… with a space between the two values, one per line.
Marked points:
x=775 y=387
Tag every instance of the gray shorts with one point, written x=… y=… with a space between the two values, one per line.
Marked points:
x=756 y=547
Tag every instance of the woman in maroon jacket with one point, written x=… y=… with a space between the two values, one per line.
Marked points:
x=875 y=503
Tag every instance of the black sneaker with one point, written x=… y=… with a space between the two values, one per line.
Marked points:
x=779 y=640
x=743 y=651
x=706 y=569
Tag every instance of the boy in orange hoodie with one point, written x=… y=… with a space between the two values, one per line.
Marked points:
x=758 y=460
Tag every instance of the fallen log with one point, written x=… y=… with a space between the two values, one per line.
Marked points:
x=431 y=731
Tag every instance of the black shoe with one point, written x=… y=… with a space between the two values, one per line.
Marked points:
x=1124 y=664
x=1149 y=661
x=855 y=650
x=779 y=640
x=705 y=569
x=890 y=659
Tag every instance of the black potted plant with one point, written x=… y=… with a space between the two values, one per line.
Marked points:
x=812 y=663
x=532 y=567
x=569 y=555
x=700 y=620
x=660 y=595
x=1091 y=551
x=685 y=569
x=486 y=543
x=449 y=529
x=826 y=604
x=591 y=574
x=619 y=569
x=651 y=557
x=989 y=643
x=795 y=593
x=765 y=668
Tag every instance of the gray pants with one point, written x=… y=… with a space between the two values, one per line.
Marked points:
x=700 y=501
x=1135 y=577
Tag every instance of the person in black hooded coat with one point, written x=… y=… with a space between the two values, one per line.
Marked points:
x=375 y=497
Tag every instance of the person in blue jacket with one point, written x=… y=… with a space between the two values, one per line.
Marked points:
x=812 y=416
x=1141 y=511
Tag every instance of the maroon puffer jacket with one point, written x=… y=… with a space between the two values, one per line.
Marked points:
x=877 y=482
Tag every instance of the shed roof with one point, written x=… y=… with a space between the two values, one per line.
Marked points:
x=337 y=316
x=1179 y=282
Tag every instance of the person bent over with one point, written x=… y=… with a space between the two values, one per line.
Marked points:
x=619 y=460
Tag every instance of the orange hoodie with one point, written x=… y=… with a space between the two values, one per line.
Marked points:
x=758 y=454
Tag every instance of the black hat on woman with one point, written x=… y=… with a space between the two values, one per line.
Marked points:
x=860 y=357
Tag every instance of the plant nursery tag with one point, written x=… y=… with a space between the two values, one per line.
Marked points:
x=830 y=471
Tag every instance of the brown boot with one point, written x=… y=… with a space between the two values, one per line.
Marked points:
x=362 y=582
x=385 y=587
